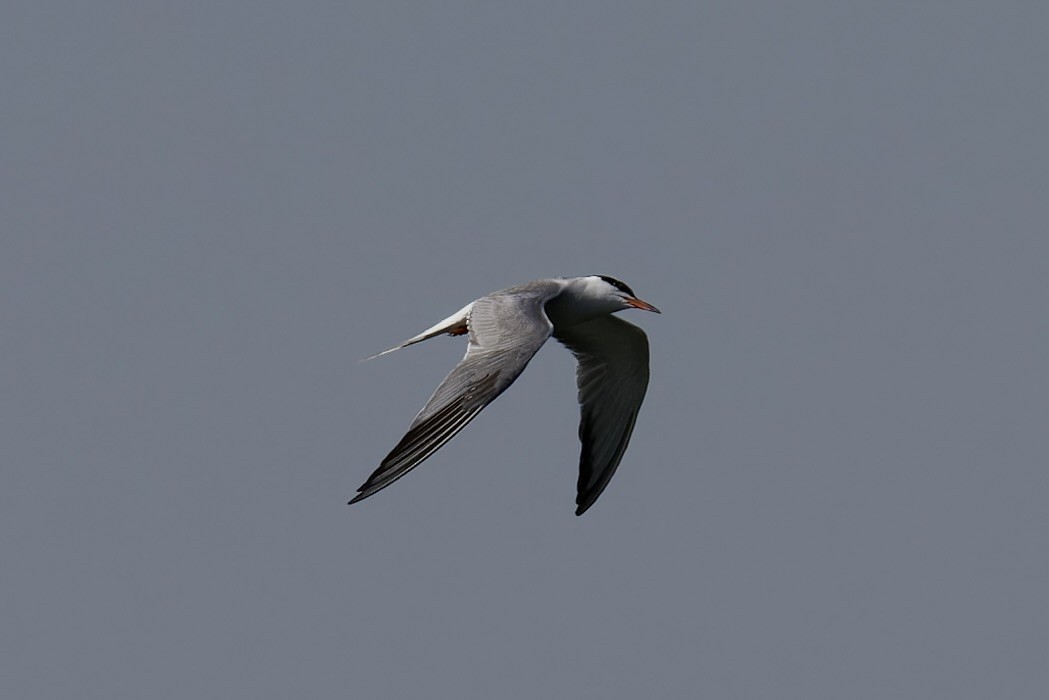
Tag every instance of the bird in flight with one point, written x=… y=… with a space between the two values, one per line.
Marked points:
x=505 y=329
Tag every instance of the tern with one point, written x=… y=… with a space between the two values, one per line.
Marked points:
x=505 y=330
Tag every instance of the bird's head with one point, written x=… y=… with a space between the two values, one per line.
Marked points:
x=616 y=293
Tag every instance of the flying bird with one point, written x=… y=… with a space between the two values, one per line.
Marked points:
x=505 y=330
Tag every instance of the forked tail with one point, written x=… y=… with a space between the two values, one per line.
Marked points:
x=456 y=324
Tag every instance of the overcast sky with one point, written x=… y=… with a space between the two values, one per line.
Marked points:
x=838 y=486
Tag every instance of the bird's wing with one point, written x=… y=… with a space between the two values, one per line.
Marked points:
x=612 y=378
x=506 y=330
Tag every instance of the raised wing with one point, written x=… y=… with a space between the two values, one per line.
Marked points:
x=505 y=333
x=612 y=377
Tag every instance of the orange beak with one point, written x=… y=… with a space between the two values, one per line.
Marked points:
x=638 y=304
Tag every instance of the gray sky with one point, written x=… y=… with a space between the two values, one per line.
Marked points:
x=838 y=485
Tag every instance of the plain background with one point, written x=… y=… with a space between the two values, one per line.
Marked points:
x=211 y=211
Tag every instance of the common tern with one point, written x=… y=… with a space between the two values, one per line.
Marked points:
x=505 y=329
